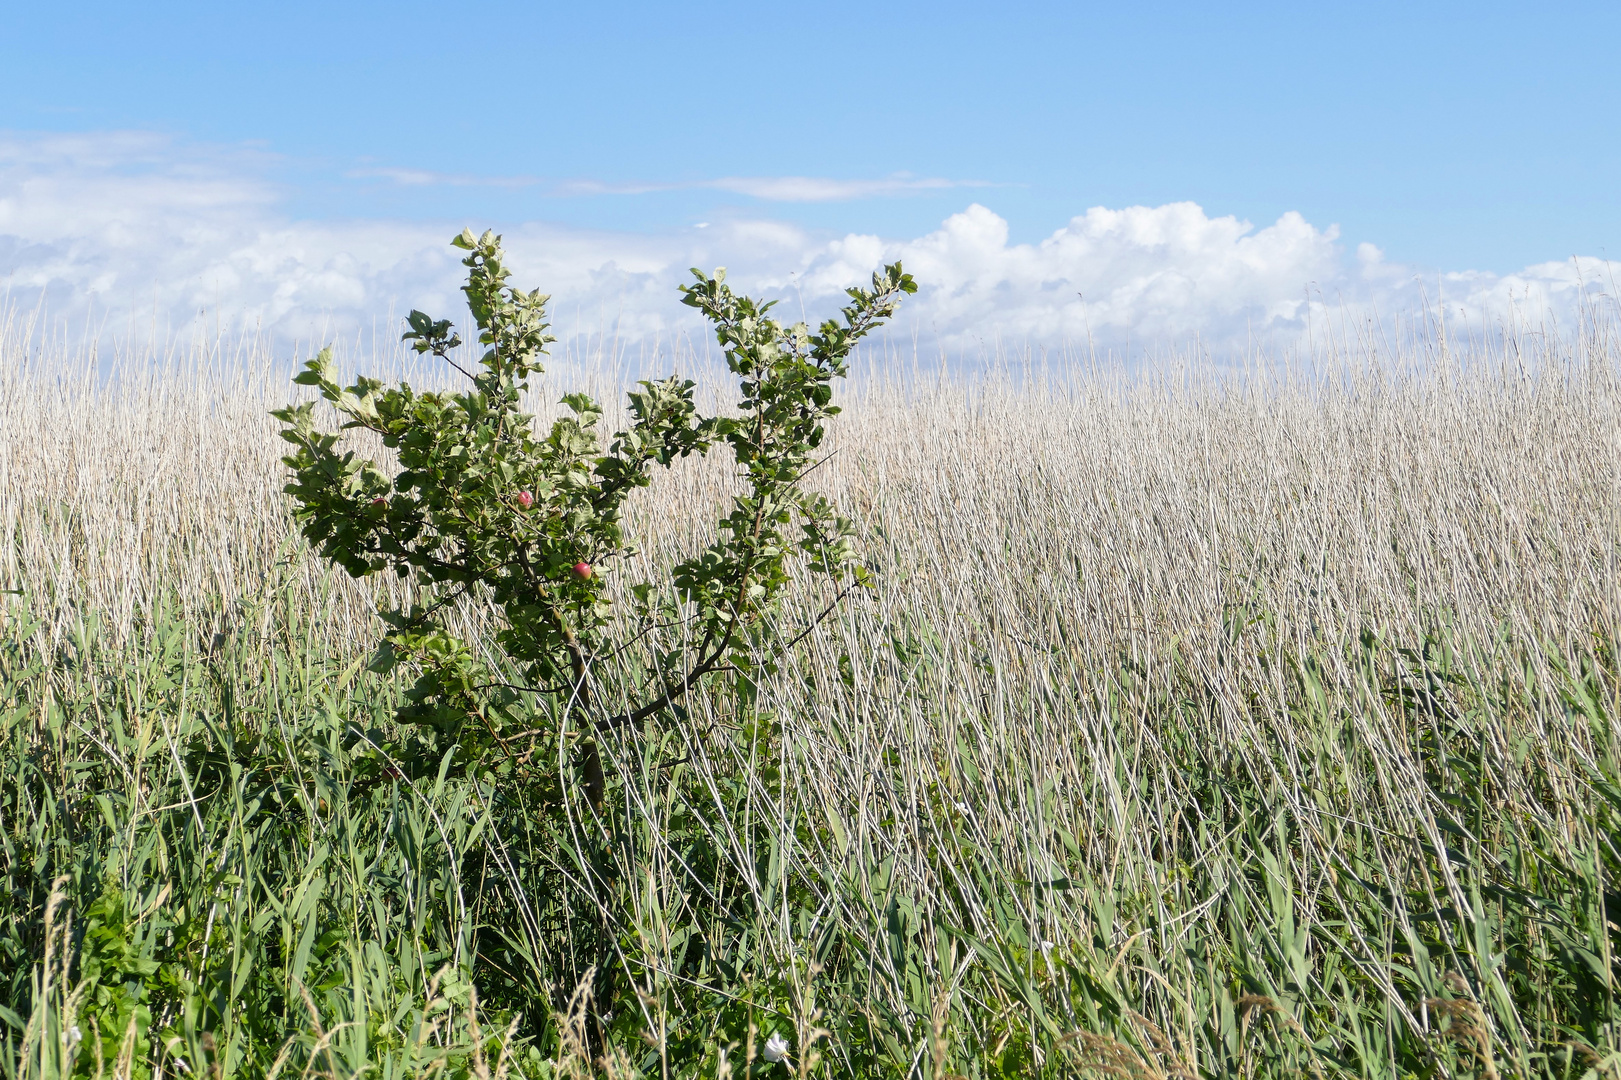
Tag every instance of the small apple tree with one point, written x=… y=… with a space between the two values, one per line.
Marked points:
x=484 y=506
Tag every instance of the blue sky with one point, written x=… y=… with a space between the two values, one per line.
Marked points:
x=1479 y=139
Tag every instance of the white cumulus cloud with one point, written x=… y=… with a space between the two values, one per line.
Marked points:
x=1166 y=271
x=131 y=228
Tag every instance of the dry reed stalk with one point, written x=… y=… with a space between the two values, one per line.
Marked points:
x=1135 y=512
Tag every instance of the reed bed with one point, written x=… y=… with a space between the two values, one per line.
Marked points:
x=1202 y=722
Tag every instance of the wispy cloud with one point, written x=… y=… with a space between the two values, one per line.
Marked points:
x=797 y=189
x=128 y=225
x=429 y=178
x=817 y=189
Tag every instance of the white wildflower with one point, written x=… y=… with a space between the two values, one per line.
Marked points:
x=776 y=1048
x=72 y=1036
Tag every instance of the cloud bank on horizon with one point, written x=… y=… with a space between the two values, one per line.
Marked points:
x=124 y=231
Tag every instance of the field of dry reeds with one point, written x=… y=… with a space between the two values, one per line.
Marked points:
x=1203 y=721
